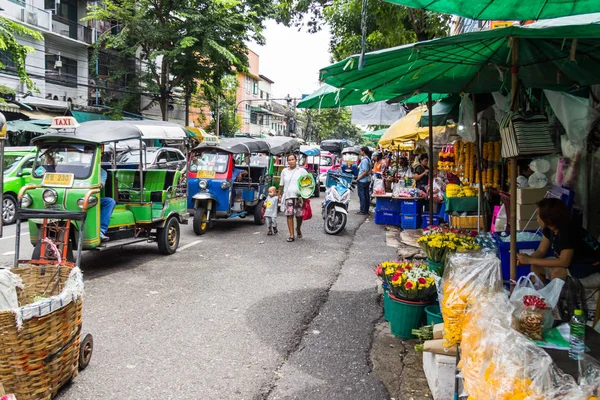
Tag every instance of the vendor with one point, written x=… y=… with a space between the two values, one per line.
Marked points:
x=421 y=172
x=577 y=253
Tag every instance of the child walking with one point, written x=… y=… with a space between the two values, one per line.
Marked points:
x=271 y=211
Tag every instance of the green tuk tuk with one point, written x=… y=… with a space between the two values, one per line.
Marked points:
x=67 y=176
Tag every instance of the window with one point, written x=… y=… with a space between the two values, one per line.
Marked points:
x=254 y=87
x=262 y=93
x=209 y=161
x=66 y=75
x=253 y=118
x=247 y=84
x=7 y=58
x=267 y=119
x=267 y=96
x=66 y=159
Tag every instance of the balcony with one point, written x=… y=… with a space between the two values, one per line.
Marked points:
x=36 y=17
x=72 y=29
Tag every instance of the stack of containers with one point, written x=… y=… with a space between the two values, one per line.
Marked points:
x=387 y=211
x=410 y=214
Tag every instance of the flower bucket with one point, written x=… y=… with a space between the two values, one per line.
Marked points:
x=438 y=268
x=434 y=314
x=405 y=315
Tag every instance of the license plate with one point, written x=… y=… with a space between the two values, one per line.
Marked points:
x=206 y=174
x=60 y=180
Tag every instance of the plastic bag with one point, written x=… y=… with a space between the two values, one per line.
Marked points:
x=531 y=298
x=378 y=186
x=572 y=298
x=589 y=375
x=9 y=282
x=306 y=210
x=468 y=278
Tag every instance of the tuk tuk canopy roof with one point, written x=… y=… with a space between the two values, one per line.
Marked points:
x=282 y=144
x=352 y=149
x=237 y=146
x=116 y=131
x=310 y=151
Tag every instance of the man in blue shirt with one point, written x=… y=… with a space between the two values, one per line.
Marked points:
x=363 y=179
x=107 y=205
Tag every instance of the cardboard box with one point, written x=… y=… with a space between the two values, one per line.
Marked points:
x=438 y=331
x=532 y=226
x=531 y=195
x=440 y=371
x=437 y=346
x=525 y=211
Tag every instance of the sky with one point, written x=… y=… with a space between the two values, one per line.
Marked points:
x=292 y=59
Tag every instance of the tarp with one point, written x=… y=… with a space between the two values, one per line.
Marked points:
x=509 y=10
x=375 y=134
x=442 y=111
x=480 y=62
x=380 y=113
x=83 y=116
x=34 y=126
x=407 y=129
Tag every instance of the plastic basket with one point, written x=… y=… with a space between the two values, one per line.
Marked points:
x=410 y=221
x=504 y=251
x=46 y=344
x=387 y=218
x=433 y=314
x=410 y=207
x=466 y=222
x=425 y=220
x=387 y=204
x=405 y=316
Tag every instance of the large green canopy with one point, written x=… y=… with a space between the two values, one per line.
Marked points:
x=549 y=57
x=376 y=135
x=509 y=10
x=328 y=96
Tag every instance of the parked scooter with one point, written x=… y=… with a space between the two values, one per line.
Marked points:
x=337 y=197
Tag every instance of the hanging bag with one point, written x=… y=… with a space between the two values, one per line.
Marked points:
x=306 y=210
x=525 y=135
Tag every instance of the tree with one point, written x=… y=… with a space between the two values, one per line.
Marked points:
x=9 y=31
x=331 y=123
x=181 y=42
x=388 y=24
x=222 y=102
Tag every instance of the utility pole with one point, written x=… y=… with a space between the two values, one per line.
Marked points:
x=218 y=116
x=187 y=104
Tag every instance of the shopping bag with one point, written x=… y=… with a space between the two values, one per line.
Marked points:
x=572 y=297
x=306 y=210
x=525 y=134
x=534 y=303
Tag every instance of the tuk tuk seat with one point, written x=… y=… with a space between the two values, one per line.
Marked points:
x=158 y=183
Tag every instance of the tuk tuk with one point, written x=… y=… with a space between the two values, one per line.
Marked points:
x=327 y=161
x=281 y=148
x=228 y=179
x=310 y=160
x=66 y=176
x=351 y=154
x=334 y=146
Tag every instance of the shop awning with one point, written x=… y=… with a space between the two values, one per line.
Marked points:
x=9 y=107
x=442 y=111
x=375 y=134
x=83 y=116
x=34 y=126
x=407 y=129
x=259 y=109
x=35 y=115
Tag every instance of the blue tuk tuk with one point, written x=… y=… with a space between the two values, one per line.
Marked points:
x=228 y=179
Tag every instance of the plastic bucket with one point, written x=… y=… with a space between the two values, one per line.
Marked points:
x=434 y=314
x=404 y=316
x=386 y=305
x=433 y=266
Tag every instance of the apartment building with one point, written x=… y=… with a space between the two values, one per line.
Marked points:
x=59 y=66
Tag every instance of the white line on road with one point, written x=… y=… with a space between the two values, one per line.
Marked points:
x=13 y=236
x=182 y=248
x=9 y=253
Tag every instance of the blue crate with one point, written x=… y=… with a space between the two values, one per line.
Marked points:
x=425 y=220
x=387 y=218
x=410 y=207
x=504 y=252
x=387 y=204
x=409 y=221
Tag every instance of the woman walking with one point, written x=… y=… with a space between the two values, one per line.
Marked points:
x=289 y=195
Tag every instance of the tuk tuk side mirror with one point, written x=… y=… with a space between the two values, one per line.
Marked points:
x=162 y=161
x=25 y=172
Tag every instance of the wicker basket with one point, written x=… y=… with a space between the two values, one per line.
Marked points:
x=466 y=222
x=41 y=355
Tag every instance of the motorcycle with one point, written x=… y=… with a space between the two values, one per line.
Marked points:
x=337 y=197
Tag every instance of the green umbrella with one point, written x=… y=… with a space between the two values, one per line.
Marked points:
x=551 y=55
x=376 y=135
x=510 y=10
x=328 y=96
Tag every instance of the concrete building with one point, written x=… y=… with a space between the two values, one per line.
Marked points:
x=59 y=66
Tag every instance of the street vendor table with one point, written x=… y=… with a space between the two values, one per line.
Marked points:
x=461 y=204
x=569 y=366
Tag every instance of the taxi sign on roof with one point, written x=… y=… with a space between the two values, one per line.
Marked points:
x=64 y=123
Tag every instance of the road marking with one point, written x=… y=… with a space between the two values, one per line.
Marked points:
x=9 y=253
x=13 y=236
x=187 y=246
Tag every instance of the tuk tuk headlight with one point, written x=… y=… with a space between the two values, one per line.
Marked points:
x=225 y=185
x=93 y=200
x=26 y=200
x=50 y=196
x=203 y=184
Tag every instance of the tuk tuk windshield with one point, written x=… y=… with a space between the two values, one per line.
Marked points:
x=69 y=159
x=326 y=161
x=350 y=157
x=209 y=161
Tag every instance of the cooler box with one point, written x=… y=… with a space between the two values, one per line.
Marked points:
x=504 y=252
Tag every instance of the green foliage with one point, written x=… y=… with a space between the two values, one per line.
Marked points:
x=182 y=42
x=9 y=31
x=222 y=99
x=332 y=123
x=5 y=90
x=388 y=25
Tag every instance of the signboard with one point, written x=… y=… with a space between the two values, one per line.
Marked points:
x=58 y=180
x=64 y=123
x=206 y=174
x=500 y=24
x=212 y=139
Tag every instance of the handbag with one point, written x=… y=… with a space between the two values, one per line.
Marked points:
x=572 y=297
x=306 y=210
x=524 y=135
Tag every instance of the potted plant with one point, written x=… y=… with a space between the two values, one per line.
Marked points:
x=411 y=287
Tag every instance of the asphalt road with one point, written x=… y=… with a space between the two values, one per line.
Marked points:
x=234 y=314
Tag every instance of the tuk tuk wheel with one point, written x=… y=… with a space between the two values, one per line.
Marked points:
x=86 y=348
x=201 y=223
x=259 y=213
x=168 y=237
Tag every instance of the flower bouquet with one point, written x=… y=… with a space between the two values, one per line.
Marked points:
x=438 y=242
x=408 y=280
